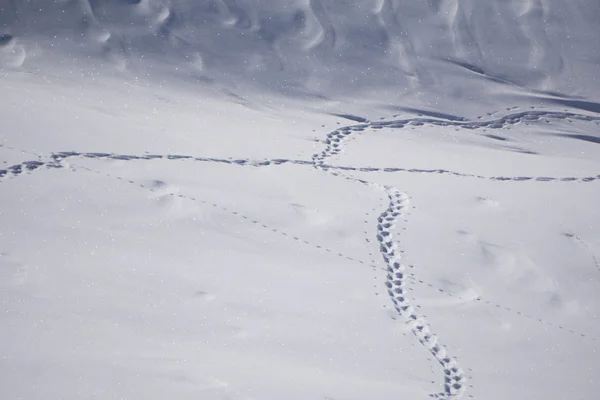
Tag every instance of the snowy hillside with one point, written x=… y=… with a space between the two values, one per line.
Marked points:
x=520 y=50
x=259 y=199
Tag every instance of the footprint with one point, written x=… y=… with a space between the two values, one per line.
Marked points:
x=204 y=296
x=157 y=183
x=487 y=202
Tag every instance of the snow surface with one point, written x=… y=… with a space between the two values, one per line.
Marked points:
x=299 y=199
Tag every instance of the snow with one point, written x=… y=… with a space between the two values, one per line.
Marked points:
x=299 y=199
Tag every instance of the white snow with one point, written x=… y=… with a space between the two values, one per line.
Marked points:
x=299 y=199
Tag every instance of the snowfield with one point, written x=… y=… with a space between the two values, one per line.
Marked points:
x=299 y=199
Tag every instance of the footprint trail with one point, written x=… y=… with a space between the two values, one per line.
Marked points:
x=454 y=376
x=455 y=379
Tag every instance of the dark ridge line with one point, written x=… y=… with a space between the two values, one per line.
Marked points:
x=580 y=104
x=351 y=117
x=5 y=39
x=585 y=138
x=429 y=113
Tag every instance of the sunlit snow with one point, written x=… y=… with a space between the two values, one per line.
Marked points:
x=299 y=199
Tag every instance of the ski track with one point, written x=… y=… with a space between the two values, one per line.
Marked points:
x=396 y=280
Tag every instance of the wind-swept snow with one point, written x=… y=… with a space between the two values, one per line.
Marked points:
x=429 y=52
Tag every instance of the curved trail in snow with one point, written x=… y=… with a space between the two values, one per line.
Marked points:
x=454 y=378
x=337 y=170
x=333 y=146
x=506 y=120
x=30 y=166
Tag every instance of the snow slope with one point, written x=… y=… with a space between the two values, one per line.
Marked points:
x=237 y=199
x=433 y=53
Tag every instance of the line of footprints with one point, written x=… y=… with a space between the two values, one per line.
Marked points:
x=454 y=377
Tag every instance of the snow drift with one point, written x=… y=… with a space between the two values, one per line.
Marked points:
x=389 y=49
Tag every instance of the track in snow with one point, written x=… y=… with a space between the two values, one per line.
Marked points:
x=584 y=244
x=454 y=378
x=56 y=158
x=411 y=276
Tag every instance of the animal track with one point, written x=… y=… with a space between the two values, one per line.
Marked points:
x=500 y=307
x=584 y=244
x=452 y=173
x=397 y=276
x=454 y=377
x=24 y=167
x=57 y=157
x=510 y=119
x=318 y=161
x=153 y=187
x=156 y=185
x=333 y=143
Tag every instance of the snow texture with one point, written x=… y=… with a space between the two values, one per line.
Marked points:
x=299 y=199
